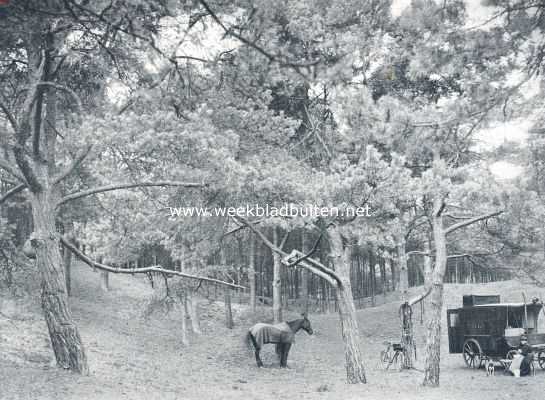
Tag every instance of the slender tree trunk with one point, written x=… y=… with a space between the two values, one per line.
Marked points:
x=193 y=307
x=65 y=338
x=304 y=273
x=277 y=288
x=355 y=370
x=251 y=272
x=433 y=337
x=183 y=314
x=227 y=295
x=394 y=275
x=228 y=310
x=403 y=269
x=104 y=281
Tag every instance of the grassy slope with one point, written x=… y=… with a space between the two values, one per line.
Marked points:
x=134 y=358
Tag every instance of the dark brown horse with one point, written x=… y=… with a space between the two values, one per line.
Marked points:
x=282 y=335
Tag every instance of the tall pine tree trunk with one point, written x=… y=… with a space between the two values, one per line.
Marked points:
x=277 y=289
x=64 y=334
x=433 y=337
x=355 y=370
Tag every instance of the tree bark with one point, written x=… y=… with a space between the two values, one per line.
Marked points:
x=65 y=338
x=277 y=289
x=355 y=371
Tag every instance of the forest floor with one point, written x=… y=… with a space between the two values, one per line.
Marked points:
x=134 y=357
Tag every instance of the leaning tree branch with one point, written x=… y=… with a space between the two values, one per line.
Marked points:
x=109 y=188
x=13 y=191
x=471 y=221
x=9 y=116
x=6 y=166
x=94 y=264
x=420 y=297
x=308 y=255
x=332 y=279
x=75 y=164
x=312 y=265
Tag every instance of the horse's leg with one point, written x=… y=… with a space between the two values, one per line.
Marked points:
x=257 y=358
x=257 y=349
x=285 y=350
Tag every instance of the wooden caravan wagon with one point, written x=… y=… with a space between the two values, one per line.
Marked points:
x=485 y=328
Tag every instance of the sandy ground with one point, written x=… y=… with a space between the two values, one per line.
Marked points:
x=132 y=357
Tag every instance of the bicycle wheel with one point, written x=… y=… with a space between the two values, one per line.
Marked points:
x=384 y=359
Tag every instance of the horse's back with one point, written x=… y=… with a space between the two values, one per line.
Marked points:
x=267 y=333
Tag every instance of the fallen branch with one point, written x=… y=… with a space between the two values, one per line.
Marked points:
x=94 y=264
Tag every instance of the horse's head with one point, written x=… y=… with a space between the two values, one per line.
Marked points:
x=306 y=324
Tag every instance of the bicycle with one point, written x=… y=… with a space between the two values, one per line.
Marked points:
x=392 y=355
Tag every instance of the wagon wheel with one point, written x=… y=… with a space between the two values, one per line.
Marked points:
x=472 y=353
x=511 y=354
x=541 y=359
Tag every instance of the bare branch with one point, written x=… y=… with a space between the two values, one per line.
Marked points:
x=12 y=192
x=87 y=260
x=109 y=188
x=471 y=221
